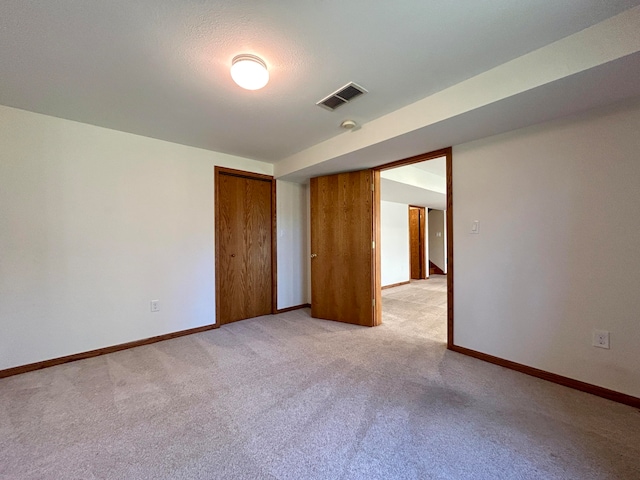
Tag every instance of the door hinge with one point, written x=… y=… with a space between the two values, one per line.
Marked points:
x=373 y=187
x=373 y=303
x=373 y=244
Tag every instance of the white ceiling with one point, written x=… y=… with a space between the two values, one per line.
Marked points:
x=392 y=191
x=421 y=184
x=160 y=67
x=436 y=166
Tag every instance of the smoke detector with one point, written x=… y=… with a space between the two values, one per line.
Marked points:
x=348 y=124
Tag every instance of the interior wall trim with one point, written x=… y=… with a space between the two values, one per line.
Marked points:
x=295 y=307
x=396 y=284
x=552 y=377
x=100 y=351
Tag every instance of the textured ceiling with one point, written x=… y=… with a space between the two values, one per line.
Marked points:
x=160 y=67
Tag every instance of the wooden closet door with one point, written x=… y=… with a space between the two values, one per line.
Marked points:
x=244 y=248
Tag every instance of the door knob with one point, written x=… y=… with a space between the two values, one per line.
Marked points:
x=313 y=255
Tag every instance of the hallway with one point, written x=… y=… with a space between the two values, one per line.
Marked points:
x=419 y=307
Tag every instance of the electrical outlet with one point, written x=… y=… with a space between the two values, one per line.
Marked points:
x=601 y=338
x=155 y=305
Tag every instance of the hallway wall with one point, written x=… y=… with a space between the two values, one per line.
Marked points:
x=394 y=239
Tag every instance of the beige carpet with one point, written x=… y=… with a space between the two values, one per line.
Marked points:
x=291 y=397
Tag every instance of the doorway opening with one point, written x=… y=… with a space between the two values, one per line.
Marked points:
x=415 y=258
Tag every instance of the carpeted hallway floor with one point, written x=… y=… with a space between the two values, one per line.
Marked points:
x=291 y=397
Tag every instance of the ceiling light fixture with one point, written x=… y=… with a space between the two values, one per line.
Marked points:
x=249 y=71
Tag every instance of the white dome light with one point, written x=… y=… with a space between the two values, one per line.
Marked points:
x=249 y=71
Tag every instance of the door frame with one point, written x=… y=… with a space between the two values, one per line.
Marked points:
x=274 y=264
x=424 y=269
x=448 y=154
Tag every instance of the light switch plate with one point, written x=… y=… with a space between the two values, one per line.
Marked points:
x=475 y=227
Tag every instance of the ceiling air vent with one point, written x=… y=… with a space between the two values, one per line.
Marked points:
x=341 y=96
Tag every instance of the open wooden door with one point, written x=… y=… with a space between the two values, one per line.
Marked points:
x=344 y=284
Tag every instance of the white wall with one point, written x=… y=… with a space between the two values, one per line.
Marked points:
x=394 y=239
x=437 y=252
x=94 y=224
x=558 y=251
x=293 y=244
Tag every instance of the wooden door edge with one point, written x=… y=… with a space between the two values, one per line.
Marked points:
x=377 y=258
x=216 y=246
x=274 y=249
x=450 y=324
x=424 y=272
